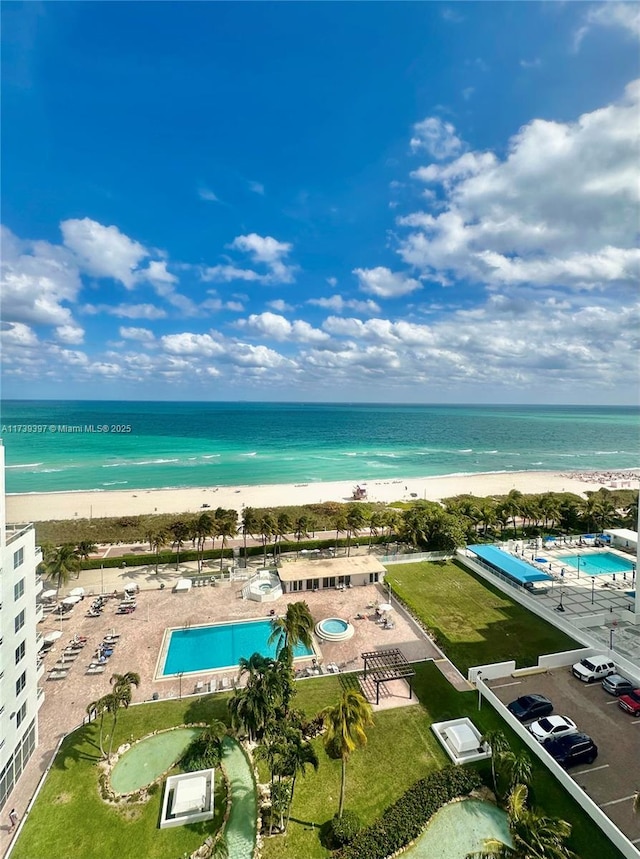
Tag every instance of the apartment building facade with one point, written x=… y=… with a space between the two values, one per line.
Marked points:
x=21 y=669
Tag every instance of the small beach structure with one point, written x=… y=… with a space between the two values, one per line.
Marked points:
x=188 y=798
x=323 y=573
x=182 y=586
x=384 y=666
x=461 y=740
x=359 y=493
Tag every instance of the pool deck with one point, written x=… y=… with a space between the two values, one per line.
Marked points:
x=141 y=636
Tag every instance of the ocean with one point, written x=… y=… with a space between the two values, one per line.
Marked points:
x=127 y=445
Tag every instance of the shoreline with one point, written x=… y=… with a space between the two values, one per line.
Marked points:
x=98 y=504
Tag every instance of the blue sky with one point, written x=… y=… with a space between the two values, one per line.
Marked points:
x=411 y=202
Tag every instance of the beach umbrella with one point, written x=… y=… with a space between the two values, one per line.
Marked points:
x=77 y=592
x=50 y=637
x=385 y=606
x=71 y=600
x=48 y=595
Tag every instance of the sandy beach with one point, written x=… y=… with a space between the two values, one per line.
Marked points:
x=86 y=505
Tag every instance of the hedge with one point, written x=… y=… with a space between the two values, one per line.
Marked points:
x=403 y=821
x=149 y=560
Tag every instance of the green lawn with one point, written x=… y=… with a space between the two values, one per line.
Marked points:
x=69 y=818
x=474 y=623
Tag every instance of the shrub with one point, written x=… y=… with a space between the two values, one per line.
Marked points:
x=344 y=829
x=403 y=821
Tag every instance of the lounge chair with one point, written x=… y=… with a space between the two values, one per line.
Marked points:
x=213 y=685
x=224 y=683
x=95 y=669
x=199 y=687
x=56 y=674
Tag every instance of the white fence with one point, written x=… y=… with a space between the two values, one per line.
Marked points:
x=412 y=557
x=615 y=835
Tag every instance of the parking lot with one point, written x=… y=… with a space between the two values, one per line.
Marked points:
x=614 y=777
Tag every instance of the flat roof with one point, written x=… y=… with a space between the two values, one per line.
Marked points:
x=291 y=571
x=623 y=533
x=512 y=567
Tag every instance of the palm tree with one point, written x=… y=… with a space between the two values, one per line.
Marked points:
x=249 y=526
x=533 y=835
x=203 y=527
x=512 y=506
x=346 y=725
x=376 y=523
x=179 y=530
x=517 y=767
x=226 y=527
x=296 y=627
x=86 y=548
x=300 y=530
x=121 y=696
x=60 y=562
x=267 y=527
x=355 y=520
x=99 y=708
x=157 y=541
x=499 y=745
x=340 y=524
x=299 y=754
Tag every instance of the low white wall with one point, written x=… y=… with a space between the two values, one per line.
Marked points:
x=583 y=799
x=590 y=620
x=567 y=657
x=493 y=671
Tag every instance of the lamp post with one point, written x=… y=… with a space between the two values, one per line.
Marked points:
x=611 y=631
x=578 y=562
x=560 y=606
x=180 y=679
x=593 y=586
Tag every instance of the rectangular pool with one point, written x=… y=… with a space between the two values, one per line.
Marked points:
x=219 y=645
x=597 y=565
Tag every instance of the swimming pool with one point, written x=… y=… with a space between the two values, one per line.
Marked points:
x=460 y=828
x=218 y=645
x=599 y=564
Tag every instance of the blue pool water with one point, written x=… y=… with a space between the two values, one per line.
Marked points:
x=334 y=625
x=598 y=565
x=221 y=645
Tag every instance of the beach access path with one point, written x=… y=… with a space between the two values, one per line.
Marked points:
x=40 y=507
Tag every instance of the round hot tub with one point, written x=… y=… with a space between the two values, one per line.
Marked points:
x=334 y=629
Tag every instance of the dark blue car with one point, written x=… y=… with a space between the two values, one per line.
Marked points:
x=530 y=707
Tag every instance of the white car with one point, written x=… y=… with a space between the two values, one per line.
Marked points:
x=551 y=727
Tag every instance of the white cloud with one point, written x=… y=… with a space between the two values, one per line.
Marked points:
x=216 y=304
x=17 y=334
x=339 y=304
x=621 y=15
x=257 y=188
x=126 y=311
x=280 y=305
x=467 y=92
x=437 y=137
x=559 y=210
x=531 y=64
x=276 y=327
x=156 y=273
x=143 y=335
x=188 y=343
x=332 y=281
x=262 y=250
x=385 y=283
x=103 y=251
x=72 y=334
x=38 y=281
x=208 y=195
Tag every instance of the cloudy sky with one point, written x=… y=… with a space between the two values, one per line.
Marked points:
x=399 y=202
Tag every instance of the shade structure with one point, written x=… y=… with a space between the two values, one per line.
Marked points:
x=48 y=595
x=77 y=592
x=71 y=600
x=50 y=637
x=385 y=606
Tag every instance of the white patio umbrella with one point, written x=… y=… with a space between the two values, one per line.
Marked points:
x=48 y=595
x=77 y=592
x=71 y=600
x=385 y=606
x=50 y=637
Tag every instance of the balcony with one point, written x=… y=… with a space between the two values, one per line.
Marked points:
x=14 y=531
x=40 y=669
x=38 y=555
x=39 y=642
x=39 y=612
x=39 y=585
x=40 y=696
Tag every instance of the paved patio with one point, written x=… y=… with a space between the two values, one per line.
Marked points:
x=141 y=636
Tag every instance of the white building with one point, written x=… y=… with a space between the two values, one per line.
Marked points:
x=20 y=695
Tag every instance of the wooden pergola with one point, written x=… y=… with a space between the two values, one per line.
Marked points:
x=382 y=666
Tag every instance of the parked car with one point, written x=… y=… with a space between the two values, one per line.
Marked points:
x=552 y=727
x=631 y=702
x=572 y=749
x=529 y=707
x=593 y=668
x=616 y=684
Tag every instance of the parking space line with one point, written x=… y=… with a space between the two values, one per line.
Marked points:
x=636 y=723
x=594 y=770
x=636 y=841
x=609 y=703
x=616 y=801
x=504 y=685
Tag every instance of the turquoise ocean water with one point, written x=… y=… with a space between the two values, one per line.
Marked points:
x=209 y=444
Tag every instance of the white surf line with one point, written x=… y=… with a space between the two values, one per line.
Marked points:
x=504 y=685
x=595 y=769
x=616 y=801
